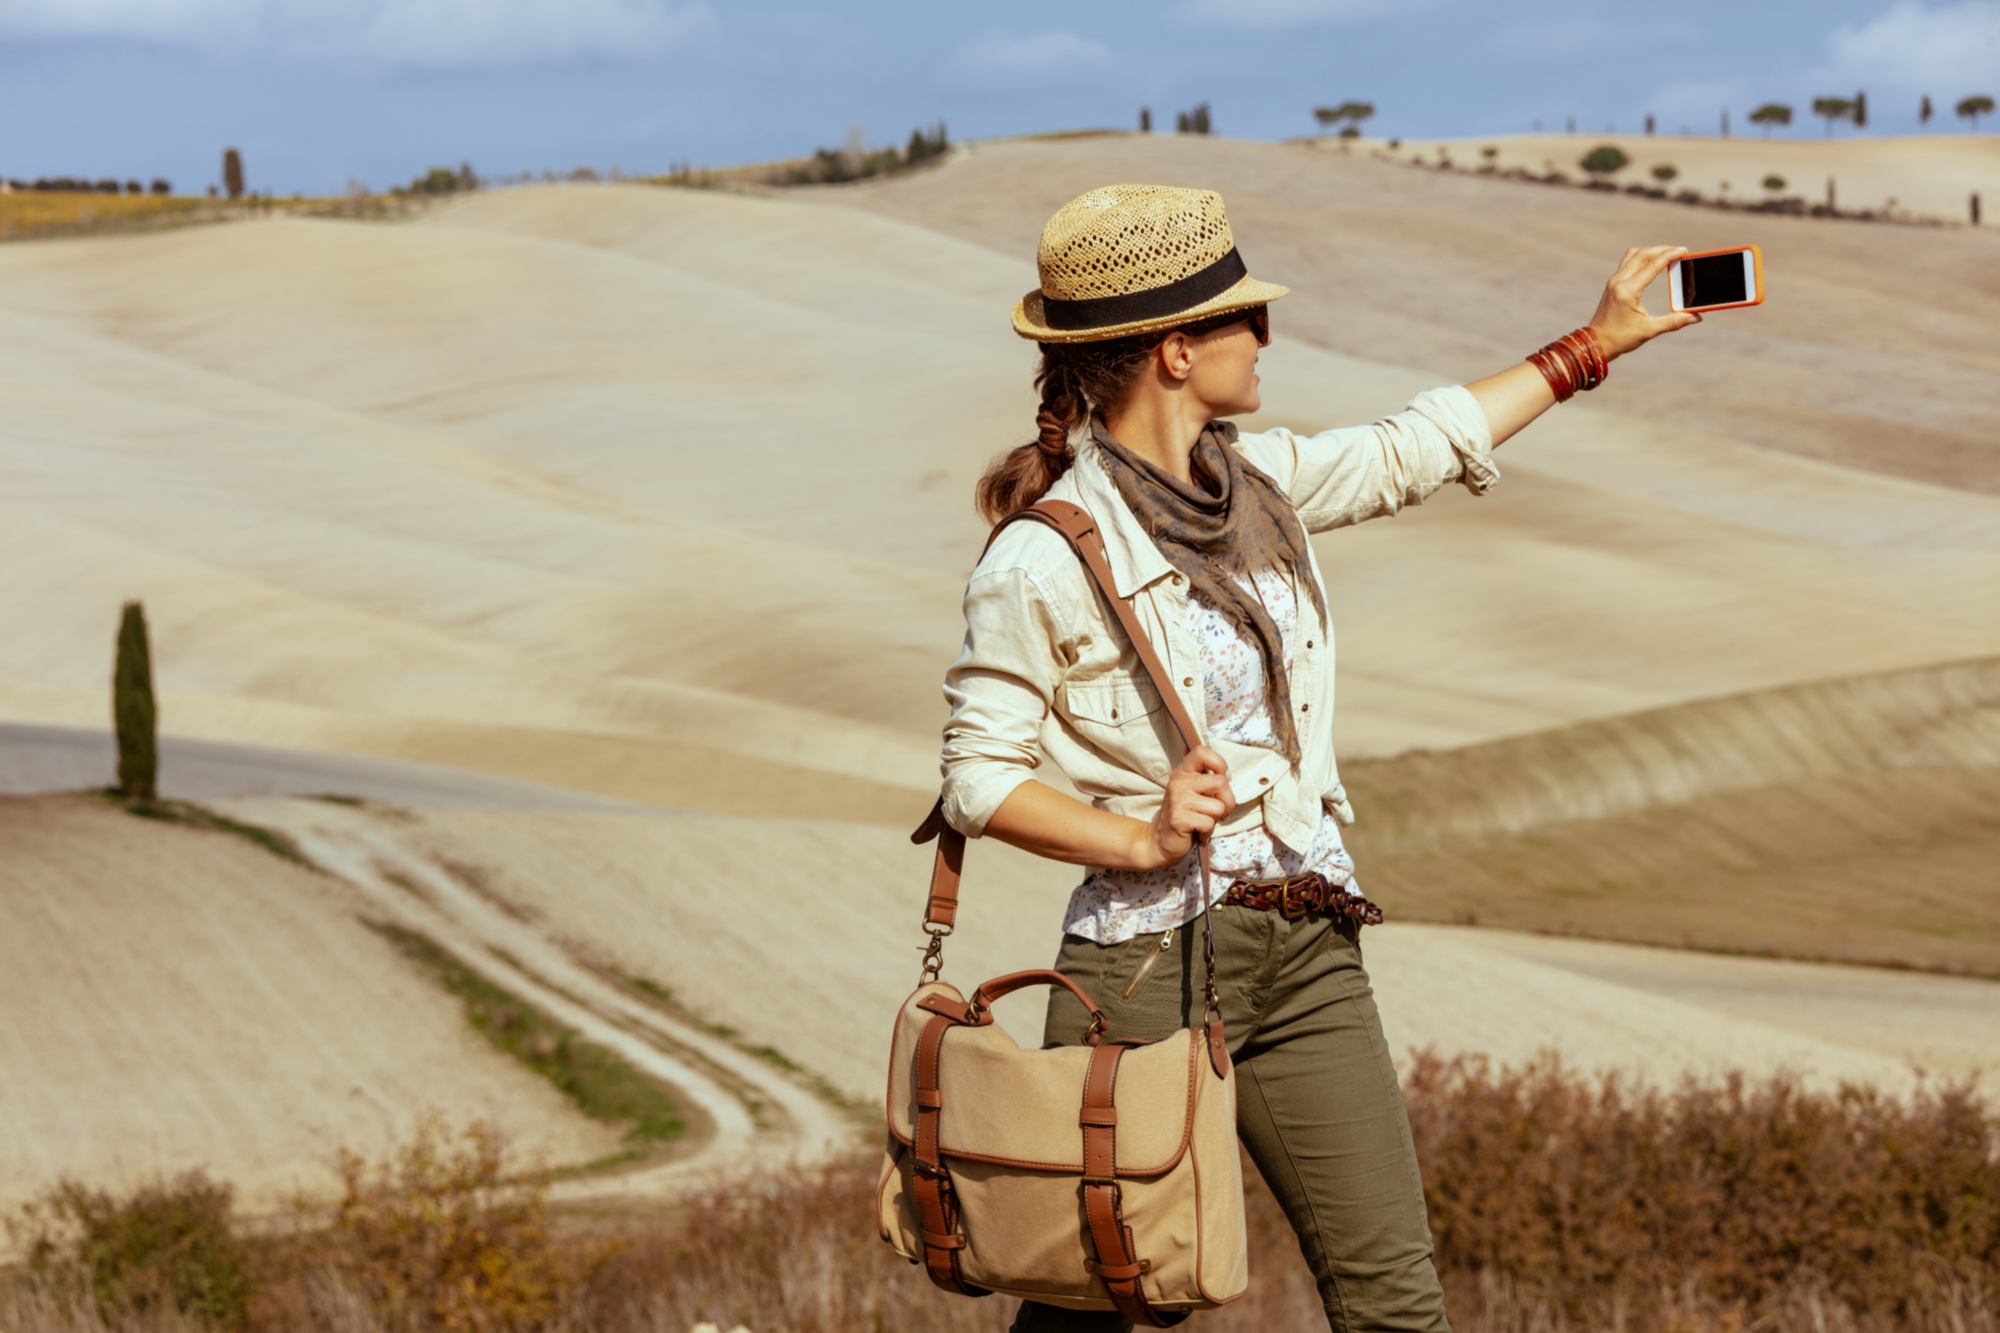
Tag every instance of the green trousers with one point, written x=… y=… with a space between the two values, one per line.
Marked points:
x=1318 y=1104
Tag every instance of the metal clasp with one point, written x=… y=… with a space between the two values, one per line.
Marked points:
x=933 y=952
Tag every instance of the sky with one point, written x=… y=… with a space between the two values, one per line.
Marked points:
x=320 y=93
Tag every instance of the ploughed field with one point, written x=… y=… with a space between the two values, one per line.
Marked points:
x=663 y=496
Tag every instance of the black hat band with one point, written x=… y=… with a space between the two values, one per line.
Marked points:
x=1104 y=312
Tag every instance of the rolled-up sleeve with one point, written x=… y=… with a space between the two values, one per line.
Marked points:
x=1344 y=476
x=1000 y=690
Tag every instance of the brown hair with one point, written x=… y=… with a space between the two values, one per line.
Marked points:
x=1074 y=379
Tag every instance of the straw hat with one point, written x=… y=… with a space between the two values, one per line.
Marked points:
x=1128 y=259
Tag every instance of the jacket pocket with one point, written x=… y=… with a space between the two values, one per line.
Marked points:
x=1109 y=701
x=1123 y=720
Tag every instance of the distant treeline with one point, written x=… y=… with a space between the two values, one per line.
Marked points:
x=853 y=162
x=77 y=185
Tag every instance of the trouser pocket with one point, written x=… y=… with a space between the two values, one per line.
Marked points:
x=1140 y=984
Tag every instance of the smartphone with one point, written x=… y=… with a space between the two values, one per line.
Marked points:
x=1718 y=279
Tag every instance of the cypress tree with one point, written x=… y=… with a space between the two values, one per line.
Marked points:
x=132 y=709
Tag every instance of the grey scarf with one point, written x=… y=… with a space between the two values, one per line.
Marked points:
x=1232 y=523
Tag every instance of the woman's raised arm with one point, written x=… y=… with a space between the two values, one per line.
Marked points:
x=1519 y=394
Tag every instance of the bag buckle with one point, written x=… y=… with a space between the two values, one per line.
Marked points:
x=928 y=1170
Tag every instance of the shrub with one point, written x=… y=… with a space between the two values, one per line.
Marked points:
x=436 y=1237
x=1665 y=172
x=166 y=1248
x=1774 y=182
x=1581 y=1190
x=1603 y=160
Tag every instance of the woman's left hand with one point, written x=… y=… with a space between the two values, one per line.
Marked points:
x=1621 y=322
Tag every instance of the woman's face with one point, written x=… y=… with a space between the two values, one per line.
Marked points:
x=1224 y=371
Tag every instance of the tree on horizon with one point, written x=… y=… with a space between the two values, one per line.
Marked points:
x=1350 y=111
x=1861 y=111
x=1973 y=107
x=1769 y=114
x=232 y=173
x=1924 y=112
x=1833 y=108
x=134 y=714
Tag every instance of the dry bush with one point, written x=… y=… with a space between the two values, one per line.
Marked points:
x=437 y=1237
x=1594 y=1198
x=796 y=1253
x=163 y=1251
x=1559 y=1203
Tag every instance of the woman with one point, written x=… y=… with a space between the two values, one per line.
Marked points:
x=1150 y=328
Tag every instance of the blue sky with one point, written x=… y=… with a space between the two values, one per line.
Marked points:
x=317 y=92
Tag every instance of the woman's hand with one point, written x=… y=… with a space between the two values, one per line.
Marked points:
x=1621 y=322
x=1198 y=798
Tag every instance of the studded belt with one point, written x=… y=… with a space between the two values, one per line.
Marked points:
x=1302 y=895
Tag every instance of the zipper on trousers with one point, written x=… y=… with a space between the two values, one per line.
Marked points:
x=1146 y=968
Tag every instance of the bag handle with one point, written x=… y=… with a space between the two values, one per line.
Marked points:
x=1075 y=525
x=1001 y=987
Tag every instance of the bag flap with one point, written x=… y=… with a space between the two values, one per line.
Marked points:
x=1019 y=1108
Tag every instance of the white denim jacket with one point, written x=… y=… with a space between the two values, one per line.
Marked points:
x=1045 y=671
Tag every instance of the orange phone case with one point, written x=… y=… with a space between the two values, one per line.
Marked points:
x=1757 y=259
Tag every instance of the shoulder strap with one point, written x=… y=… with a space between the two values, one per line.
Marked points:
x=1079 y=529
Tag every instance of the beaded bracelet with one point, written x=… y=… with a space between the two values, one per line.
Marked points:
x=1573 y=363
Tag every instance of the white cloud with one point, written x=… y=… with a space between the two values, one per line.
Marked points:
x=387 y=32
x=997 y=58
x=1286 y=13
x=1952 y=50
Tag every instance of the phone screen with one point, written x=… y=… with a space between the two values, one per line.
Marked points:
x=1713 y=280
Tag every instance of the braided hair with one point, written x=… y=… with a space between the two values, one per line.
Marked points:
x=1073 y=379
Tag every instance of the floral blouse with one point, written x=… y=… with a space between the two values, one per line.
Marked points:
x=1112 y=906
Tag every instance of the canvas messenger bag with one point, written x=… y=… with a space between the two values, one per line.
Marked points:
x=1097 y=1177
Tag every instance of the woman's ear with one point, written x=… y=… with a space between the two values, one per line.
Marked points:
x=1177 y=355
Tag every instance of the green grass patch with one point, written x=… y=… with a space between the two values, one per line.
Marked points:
x=603 y=1086
x=195 y=816
x=662 y=998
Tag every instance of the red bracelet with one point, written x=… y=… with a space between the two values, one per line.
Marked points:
x=1573 y=363
x=1555 y=372
x=1585 y=362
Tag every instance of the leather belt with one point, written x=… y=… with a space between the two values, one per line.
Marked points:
x=1302 y=895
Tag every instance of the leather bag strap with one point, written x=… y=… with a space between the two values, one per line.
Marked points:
x=1001 y=987
x=930 y=1183
x=1118 y=1264
x=1079 y=529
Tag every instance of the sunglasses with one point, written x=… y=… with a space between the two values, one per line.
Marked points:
x=1258 y=317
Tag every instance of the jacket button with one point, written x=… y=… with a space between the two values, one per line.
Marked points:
x=1263 y=782
x=1309 y=643
x=1187 y=680
x=1114 y=714
x=1305 y=708
x=1177 y=580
